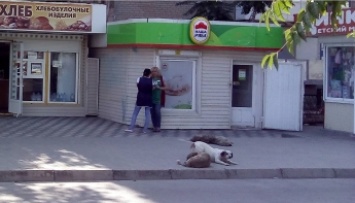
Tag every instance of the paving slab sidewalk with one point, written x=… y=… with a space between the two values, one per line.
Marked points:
x=153 y=156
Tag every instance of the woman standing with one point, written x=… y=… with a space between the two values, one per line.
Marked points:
x=144 y=99
x=157 y=98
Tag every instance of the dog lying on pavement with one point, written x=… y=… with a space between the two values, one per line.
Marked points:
x=219 y=156
x=196 y=160
x=211 y=139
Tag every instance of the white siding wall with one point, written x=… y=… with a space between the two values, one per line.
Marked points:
x=92 y=86
x=119 y=69
x=213 y=92
x=216 y=86
x=112 y=85
x=216 y=90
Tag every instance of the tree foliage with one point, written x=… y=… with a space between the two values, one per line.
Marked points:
x=212 y=10
x=253 y=6
x=305 y=19
x=224 y=10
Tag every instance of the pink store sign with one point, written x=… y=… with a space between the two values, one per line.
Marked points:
x=346 y=24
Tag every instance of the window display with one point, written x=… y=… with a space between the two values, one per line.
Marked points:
x=63 y=74
x=340 y=72
x=179 y=78
x=36 y=68
x=32 y=89
x=33 y=76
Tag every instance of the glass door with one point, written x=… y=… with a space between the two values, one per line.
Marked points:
x=242 y=96
x=16 y=78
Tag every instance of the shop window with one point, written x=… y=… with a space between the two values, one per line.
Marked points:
x=63 y=77
x=33 y=90
x=179 y=76
x=340 y=72
x=33 y=76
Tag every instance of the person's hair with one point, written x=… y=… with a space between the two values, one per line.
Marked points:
x=146 y=72
x=157 y=70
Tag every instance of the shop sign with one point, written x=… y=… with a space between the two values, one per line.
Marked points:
x=200 y=30
x=346 y=24
x=49 y=17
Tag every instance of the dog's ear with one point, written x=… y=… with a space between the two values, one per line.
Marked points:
x=224 y=154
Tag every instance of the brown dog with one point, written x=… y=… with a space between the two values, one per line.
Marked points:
x=211 y=139
x=196 y=160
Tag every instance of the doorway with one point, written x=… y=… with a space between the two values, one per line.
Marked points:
x=242 y=96
x=4 y=76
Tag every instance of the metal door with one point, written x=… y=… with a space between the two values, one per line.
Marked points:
x=283 y=97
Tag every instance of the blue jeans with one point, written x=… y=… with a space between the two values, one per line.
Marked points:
x=156 y=115
x=135 y=114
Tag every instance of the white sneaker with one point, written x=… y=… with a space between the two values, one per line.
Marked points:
x=129 y=131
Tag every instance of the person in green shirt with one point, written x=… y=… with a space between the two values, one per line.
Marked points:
x=157 y=97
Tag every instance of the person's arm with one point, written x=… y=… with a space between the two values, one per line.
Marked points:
x=163 y=86
x=138 y=79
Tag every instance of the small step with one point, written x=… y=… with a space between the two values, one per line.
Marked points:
x=5 y=114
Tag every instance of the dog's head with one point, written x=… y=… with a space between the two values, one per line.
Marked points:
x=227 y=154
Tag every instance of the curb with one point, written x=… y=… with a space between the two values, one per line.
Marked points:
x=172 y=174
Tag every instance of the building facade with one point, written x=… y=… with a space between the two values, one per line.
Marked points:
x=330 y=56
x=216 y=84
x=44 y=56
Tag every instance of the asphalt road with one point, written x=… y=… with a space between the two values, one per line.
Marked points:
x=183 y=191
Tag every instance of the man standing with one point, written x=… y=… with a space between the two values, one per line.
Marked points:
x=144 y=99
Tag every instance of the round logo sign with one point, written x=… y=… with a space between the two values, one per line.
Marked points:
x=199 y=30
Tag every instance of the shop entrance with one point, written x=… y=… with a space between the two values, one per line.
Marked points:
x=242 y=96
x=4 y=76
x=11 y=82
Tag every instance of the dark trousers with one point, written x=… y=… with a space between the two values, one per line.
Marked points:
x=156 y=115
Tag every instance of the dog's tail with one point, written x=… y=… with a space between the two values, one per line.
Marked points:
x=183 y=140
x=189 y=141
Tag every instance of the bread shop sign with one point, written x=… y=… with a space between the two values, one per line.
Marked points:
x=346 y=24
x=48 y=17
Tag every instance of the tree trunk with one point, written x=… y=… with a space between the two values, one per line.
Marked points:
x=253 y=15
